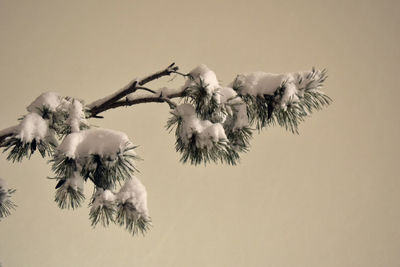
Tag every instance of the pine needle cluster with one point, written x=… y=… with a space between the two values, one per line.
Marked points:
x=6 y=204
x=265 y=110
x=114 y=211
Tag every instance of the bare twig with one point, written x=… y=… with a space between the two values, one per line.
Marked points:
x=146 y=99
x=166 y=72
x=135 y=85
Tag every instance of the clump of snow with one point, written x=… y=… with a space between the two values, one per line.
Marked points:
x=203 y=75
x=76 y=116
x=75 y=182
x=227 y=94
x=242 y=120
x=134 y=192
x=235 y=107
x=207 y=133
x=65 y=104
x=103 y=198
x=290 y=95
x=50 y=100
x=103 y=142
x=33 y=126
x=259 y=83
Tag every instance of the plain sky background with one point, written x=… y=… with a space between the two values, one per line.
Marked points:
x=327 y=197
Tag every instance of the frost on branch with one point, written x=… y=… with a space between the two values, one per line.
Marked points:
x=6 y=205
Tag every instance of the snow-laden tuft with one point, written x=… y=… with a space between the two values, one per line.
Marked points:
x=103 y=142
x=207 y=133
x=33 y=127
x=203 y=75
x=50 y=100
x=75 y=182
x=262 y=83
x=102 y=198
x=134 y=192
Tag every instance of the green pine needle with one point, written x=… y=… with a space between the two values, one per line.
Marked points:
x=205 y=104
x=18 y=150
x=103 y=214
x=266 y=110
x=67 y=197
x=106 y=172
x=128 y=216
x=221 y=151
x=239 y=138
x=6 y=205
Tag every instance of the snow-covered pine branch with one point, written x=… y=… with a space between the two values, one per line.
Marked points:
x=212 y=122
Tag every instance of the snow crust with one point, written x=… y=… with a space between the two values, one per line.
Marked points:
x=51 y=100
x=33 y=126
x=134 y=192
x=103 y=142
x=207 y=133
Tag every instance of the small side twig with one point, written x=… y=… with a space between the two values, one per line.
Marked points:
x=166 y=72
x=135 y=85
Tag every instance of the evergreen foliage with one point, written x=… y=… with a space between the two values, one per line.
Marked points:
x=102 y=213
x=211 y=130
x=18 y=150
x=207 y=105
x=266 y=110
x=220 y=151
x=6 y=205
x=68 y=197
x=128 y=217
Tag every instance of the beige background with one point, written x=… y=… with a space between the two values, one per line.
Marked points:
x=328 y=197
